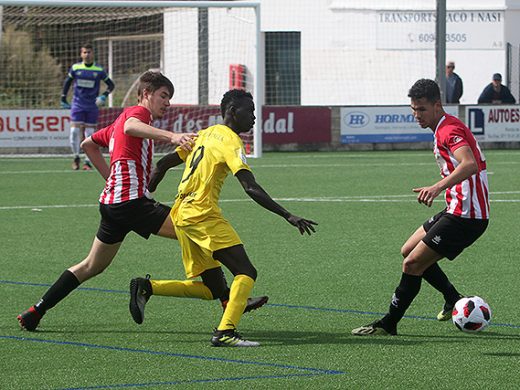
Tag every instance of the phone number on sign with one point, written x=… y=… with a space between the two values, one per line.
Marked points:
x=430 y=37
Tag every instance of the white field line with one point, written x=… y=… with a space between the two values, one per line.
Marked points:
x=330 y=199
x=310 y=165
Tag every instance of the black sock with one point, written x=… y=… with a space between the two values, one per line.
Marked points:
x=65 y=284
x=438 y=280
x=225 y=296
x=403 y=296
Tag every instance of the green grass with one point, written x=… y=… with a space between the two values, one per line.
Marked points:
x=320 y=287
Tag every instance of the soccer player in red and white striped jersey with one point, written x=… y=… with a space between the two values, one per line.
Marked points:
x=460 y=224
x=125 y=203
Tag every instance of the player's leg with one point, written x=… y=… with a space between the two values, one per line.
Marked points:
x=216 y=281
x=213 y=283
x=75 y=141
x=158 y=221
x=236 y=260
x=418 y=260
x=434 y=275
x=99 y=258
x=89 y=129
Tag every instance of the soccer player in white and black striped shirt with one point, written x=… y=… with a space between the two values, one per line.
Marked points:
x=446 y=234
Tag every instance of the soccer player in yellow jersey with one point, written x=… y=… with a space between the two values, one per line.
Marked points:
x=207 y=239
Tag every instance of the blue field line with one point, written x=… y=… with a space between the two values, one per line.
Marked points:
x=184 y=382
x=281 y=305
x=309 y=371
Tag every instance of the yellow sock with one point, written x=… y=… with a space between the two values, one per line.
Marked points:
x=240 y=291
x=181 y=288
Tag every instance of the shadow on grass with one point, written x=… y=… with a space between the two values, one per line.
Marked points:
x=276 y=338
x=502 y=354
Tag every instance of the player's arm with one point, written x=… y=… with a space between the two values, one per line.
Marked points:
x=93 y=151
x=101 y=99
x=260 y=196
x=169 y=161
x=66 y=86
x=467 y=167
x=136 y=128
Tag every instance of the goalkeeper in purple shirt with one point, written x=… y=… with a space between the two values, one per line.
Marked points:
x=86 y=100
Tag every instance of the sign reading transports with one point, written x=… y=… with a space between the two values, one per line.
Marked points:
x=415 y=30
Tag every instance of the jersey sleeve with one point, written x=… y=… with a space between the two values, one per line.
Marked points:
x=102 y=136
x=140 y=113
x=235 y=156
x=455 y=138
x=183 y=154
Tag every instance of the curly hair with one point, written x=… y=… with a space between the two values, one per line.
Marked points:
x=232 y=97
x=425 y=88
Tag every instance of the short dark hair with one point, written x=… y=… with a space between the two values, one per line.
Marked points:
x=425 y=88
x=87 y=46
x=232 y=97
x=152 y=81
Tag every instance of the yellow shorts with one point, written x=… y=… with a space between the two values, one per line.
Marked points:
x=199 y=241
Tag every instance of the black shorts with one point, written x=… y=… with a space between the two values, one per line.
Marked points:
x=449 y=235
x=143 y=216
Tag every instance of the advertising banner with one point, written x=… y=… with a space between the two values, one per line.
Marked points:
x=415 y=30
x=34 y=128
x=281 y=125
x=383 y=124
x=494 y=123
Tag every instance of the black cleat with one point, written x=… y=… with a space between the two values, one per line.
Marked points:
x=140 y=293
x=255 y=303
x=447 y=309
x=376 y=328
x=252 y=303
x=75 y=164
x=230 y=338
x=29 y=319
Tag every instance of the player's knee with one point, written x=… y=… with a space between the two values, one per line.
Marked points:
x=89 y=131
x=74 y=133
x=412 y=265
x=405 y=250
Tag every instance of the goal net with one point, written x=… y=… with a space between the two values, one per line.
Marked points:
x=205 y=48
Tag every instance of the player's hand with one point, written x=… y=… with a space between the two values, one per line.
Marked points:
x=427 y=194
x=184 y=140
x=101 y=100
x=64 y=104
x=303 y=225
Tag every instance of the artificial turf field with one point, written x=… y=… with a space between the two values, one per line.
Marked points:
x=320 y=287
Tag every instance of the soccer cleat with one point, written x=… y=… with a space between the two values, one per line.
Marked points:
x=29 y=319
x=230 y=338
x=140 y=293
x=446 y=312
x=87 y=166
x=374 y=329
x=252 y=303
x=75 y=164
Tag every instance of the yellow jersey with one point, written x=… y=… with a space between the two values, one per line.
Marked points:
x=218 y=150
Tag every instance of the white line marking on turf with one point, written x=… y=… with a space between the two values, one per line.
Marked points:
x=255 y=166
x=332 y=199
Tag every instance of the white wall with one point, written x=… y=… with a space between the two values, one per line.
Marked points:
x=231 y=41
x=350 y=54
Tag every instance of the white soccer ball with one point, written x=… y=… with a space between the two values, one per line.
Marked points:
x=471 y=314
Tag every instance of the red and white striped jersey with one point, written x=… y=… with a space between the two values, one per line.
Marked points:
x=469 y=198
x=130 y=158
